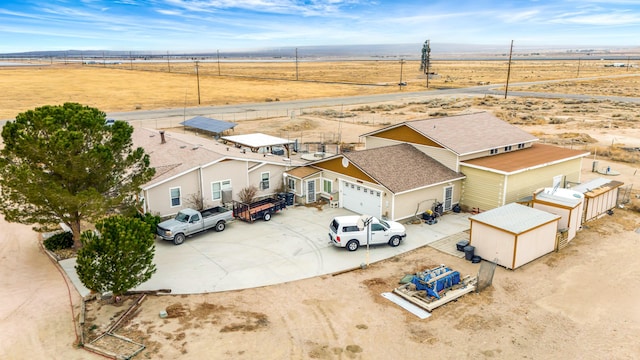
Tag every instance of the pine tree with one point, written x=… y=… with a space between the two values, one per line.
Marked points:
x=117 y=257
x=62 y=164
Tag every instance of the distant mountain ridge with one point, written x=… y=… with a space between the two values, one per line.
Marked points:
x=440 y=51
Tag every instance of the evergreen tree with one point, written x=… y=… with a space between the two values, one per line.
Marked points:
x=63 y=164
x=118 y=257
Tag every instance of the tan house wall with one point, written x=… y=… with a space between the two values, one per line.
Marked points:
x=159 y=198
x=235 y=171
x=275 y=178
x=500 y=150
x=422 y=200
x=481 y=189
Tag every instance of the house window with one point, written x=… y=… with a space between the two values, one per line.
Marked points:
x=175 y=197
x=507 y=148
x=217 y=187
x=493 y=151
x=327 y=186
x=264 y=181
x=520 y=146
x=291 y=183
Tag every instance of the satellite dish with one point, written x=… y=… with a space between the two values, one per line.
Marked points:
x=345 y=162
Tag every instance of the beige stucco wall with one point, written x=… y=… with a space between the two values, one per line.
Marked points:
x=236 y=171
x=405 y=205
x=275 y=178
x=158 y=198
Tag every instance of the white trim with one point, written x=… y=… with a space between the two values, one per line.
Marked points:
x=431 y=185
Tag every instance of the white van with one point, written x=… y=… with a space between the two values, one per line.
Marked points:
x=349 y=232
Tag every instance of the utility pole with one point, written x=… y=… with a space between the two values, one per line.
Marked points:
x=198 y=78
x=296 y=64
x=218 y=51
x=168 y=63
x=401 y=84
x=130 y=61
x=578 y=74
x=506 y=87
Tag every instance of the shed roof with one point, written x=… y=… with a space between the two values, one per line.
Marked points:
x=208 y=124
x=514 y=218
x=401 y=167
x=523 y=159
x=597 y=186
x=256 y=140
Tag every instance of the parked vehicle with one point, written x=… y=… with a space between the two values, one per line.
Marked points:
x=261 y=209
x=188 y=222
x=350 y=232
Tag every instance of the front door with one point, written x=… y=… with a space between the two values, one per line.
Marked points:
x=311 y=191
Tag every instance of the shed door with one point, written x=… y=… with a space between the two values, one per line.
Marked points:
x=360 y=199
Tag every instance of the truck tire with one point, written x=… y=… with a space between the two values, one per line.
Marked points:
x=394 y=241
x=220 y=226
x=178 y=239
x=353 y=245
x=267 y=217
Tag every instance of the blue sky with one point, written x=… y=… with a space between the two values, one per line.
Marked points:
x=210 y=25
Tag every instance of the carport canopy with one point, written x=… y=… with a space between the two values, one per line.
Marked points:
x=208 y=124
x=258 y=140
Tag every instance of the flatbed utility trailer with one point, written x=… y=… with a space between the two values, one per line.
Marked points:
x=435 y=287
x=261 y=209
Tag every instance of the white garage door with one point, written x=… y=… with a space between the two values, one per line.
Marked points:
x=360 y=199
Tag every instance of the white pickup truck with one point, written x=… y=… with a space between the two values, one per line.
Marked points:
x=351 y=232
x=188 y=222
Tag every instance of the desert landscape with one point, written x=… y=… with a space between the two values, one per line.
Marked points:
x=577 y=303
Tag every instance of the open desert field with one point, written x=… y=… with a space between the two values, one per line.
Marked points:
x=144 y=86
x=579 y=303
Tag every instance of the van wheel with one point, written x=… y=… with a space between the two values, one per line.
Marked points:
x=353 y=245
x=394 y=241
x=178 y=239
x=220 y=226
x=267 y=217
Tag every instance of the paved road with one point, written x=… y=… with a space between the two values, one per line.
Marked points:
x=494 y=89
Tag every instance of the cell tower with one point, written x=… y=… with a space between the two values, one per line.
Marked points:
x=426 y=63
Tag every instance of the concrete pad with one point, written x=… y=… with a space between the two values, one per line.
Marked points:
x=294 y=245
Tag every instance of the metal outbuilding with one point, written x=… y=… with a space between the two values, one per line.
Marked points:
x=513 y=234
x=207 y=124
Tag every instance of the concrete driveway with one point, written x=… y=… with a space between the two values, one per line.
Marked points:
x=294 y=245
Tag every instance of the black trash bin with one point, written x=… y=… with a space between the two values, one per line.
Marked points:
x=460 y=245
x=290 y=197
x=468 y=252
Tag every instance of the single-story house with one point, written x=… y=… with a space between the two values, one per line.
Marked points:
x=513 y=235
x=501 y=162
x=192 y=170
x=394 y=182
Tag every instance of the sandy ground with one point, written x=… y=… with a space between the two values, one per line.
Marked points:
x=580 y=303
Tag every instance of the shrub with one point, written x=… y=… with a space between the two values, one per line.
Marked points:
x=59 y=241
x=149 y=219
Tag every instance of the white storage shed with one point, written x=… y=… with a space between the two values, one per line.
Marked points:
x=600 y=195
x=513 y=234
x=564 y=202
